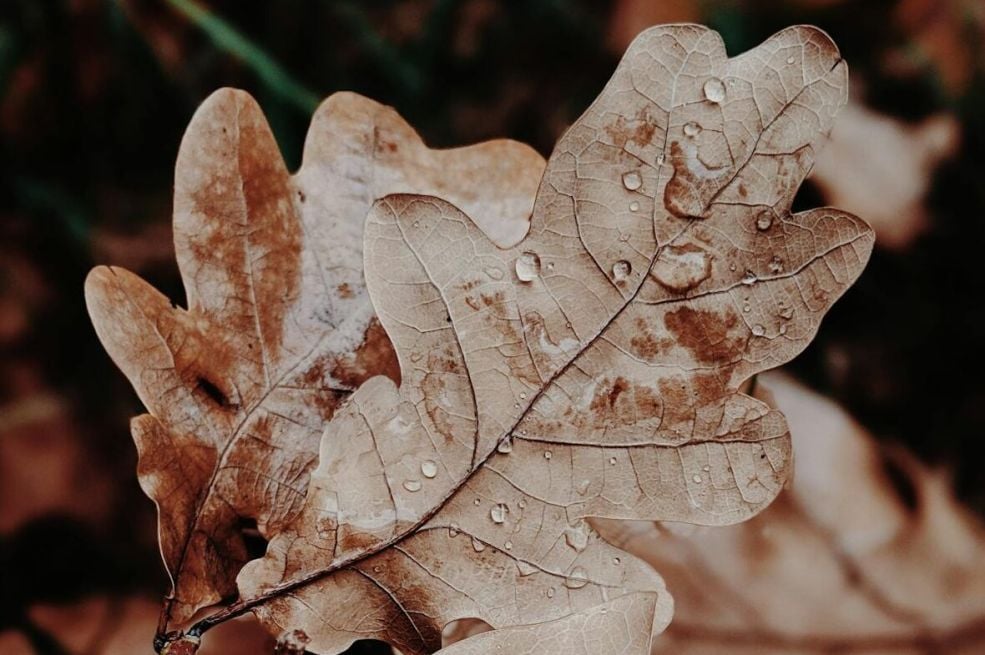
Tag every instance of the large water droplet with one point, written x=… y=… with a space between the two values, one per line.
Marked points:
x=429 y=468
x=632 y=180
x=577 y=579
x=525 y=568
x=621 y=270
x=477 y=545
x=764 y=220
x=412 y=485
x=498 y=513
x=577 y=537
x=714 y=90
x=528 y=266
x=692 y=129
x=679 y=268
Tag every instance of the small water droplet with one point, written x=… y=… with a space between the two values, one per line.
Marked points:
x=634 y=206
x=758 y=330
x=621 y=270
x=696 y=478
x=415 y=357
x=476 y=502
x=516 y=405
x=522 y=503
x=505 y=446
x=776 y=264
x=494 y=273
x=377 y=568
x=731 y=267
x=612 y=461
x=547 y=454
x=764 y=220
x=632 y=180
x=624 y=237
x=550 y=592
x=429 y=468
x=550 y=266
x=523 y=395
x=412 y=485
x=714 y=90
x=508 y=545
x=577 y=579
x=576 y=537
x=692 y=129
x=498 y=513
x=705 y=468
x=477 y=545
x=747 y=308
x=783 y=329
x=790 y=59
x=786 y=313
x=417 y=224
x=453 y=530
x=582 y=487
x=616 y=561
x=749 y=278
x=661 y=158
x=527 y=266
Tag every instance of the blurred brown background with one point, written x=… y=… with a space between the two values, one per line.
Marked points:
x=95 y=94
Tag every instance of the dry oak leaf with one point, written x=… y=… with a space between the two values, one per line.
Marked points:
x=279 y=326
x=591 y=370
x=841 y=562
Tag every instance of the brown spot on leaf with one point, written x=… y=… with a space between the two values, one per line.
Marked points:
x=707 y=334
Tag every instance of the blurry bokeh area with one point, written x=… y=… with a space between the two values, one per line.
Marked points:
x=95 y=95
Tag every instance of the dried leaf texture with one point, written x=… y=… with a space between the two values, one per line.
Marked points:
x=841 y=562
x=279 y=326
x=591 y=370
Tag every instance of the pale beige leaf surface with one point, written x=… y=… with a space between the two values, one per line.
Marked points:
x=591 y=370
x=841 y=562
x=279 y=326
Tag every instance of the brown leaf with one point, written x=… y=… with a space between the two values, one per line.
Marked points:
x=279 y=325
x=881 y=168
x=591 y=370
x=841 y=562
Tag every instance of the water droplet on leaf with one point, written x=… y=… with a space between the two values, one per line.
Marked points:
x=692 y=129
x=429 y=468
x=528 y=266
x=505 y=446
x=764 y=220
x=498 y=513
x=477 y=545
x=632 y=180
x=621 y=270
x=412 y=485
x=714 y=90
x=547 y=454
x=577 y=579
x=634 y=206
x=680 y=268
x=758 y=330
